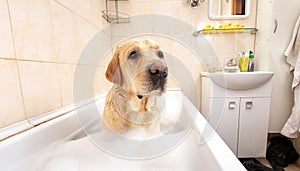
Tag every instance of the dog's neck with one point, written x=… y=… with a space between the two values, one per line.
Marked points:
x=138 y=111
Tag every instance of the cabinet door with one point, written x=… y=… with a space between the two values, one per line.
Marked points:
x=224 y=117
x=253 y=128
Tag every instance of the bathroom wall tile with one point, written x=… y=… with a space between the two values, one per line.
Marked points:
x=187 y=80
x=78 y=82
x=189 y=72
x=66 y=82
x=47 y=31
x=84 y=88
x=32 y=28
x=228 y=46
x=101 y=85
x=40 y=87
x=245 y=42
x=178 y=10
x=121 y=30
x=156 y=0
x=166 y=44
x=71 y=34
x=138 y=8
x=164 y=8
x=90 y=10
x=6 y=41
x=107 y=58
x=195 y=70
x=224 y=47
x=184 y=12
x=11 y=105
x=123 y=6
x=185 y=55
x=201 y=16
x=141 y=1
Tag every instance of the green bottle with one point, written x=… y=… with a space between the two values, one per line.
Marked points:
x=251 y=62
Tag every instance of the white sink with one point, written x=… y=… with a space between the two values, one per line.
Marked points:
x=241 y=80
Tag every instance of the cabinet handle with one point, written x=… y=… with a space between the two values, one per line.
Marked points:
x=249 y=105
x=231 y=105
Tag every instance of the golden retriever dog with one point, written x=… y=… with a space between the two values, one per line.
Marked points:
x=139 y=73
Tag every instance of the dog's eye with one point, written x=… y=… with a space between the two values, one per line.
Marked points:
x=160 y=54
x=133 y=55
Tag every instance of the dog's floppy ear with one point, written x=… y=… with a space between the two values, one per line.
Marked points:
x=113 y=71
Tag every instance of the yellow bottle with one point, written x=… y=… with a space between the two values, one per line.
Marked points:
x=244 y=63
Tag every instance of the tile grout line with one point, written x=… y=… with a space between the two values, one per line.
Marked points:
x=48 y=62
x=59 y=85
x=15 y=59
x=18 y=68
x=56 y=67
x=72 y=11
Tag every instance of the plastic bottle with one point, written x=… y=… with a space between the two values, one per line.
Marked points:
x=244 y=62
x=251 y=62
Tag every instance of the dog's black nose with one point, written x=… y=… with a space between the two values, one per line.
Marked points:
x=158 y=69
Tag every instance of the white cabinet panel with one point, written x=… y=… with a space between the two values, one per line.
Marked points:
x=224 y=117
x=240 y=117
x=254 y=117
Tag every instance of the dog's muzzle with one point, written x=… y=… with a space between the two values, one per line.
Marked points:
x=158 y=73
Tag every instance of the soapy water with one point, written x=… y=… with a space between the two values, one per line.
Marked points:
x=81 y=153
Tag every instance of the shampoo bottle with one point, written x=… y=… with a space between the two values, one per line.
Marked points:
x=244 y=62
x=251 y=62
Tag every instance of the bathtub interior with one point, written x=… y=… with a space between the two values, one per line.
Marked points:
x=83 y=154
x=187 y=142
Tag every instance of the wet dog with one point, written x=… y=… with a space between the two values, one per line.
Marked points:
x=139 y=73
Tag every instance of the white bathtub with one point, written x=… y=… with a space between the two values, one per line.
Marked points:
x=62 y=144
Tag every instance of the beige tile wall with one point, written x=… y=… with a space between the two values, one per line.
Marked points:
x=6 y=41
x=41 y=41
x=11 y=103
x=41 y=92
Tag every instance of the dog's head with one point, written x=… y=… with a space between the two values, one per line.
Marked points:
x=138 y=66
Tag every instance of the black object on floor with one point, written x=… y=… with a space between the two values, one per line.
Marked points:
x=281 y=152
x=251 y=164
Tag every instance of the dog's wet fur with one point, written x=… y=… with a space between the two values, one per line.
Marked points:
x=139 y=74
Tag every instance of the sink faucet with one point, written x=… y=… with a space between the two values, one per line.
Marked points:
x=231 y=62
x=194 y=3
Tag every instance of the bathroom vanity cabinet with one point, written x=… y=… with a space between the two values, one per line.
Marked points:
x=240 y=115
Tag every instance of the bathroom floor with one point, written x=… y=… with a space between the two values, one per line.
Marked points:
x=291 y=167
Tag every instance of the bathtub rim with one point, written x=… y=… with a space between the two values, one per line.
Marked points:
x=13 y=147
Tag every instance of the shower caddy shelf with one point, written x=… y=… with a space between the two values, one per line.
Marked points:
x=115 y=16
x=226 y=30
